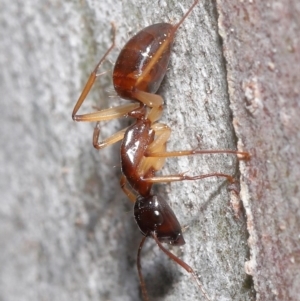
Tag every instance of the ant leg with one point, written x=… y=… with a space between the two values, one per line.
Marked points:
x=111 y=140
x=157 y=151
x=182 y=177
x=181 y=263
x=153 y=101
x=93 y=77
x=108 y=114
x=149 y=99
x=127 y=191
x=162 y=134
x=241 y=155
x=139 y=267
x=185 y=15
x=155 y=114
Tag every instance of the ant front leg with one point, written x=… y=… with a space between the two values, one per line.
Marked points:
x=240 y=155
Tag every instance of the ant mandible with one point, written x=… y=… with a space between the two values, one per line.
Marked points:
x=137 y=75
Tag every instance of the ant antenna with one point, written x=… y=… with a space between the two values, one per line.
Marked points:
x=182 y=264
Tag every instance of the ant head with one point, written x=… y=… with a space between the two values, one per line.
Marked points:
x=153 y=215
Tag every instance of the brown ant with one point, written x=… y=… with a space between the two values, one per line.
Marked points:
x=138 y=73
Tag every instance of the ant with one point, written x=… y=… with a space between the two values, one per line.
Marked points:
x=137 y=75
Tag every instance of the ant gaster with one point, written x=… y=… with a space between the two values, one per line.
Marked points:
x=137 y=75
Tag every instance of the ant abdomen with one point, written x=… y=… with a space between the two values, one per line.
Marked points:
x=142 y=63
x=153 y=215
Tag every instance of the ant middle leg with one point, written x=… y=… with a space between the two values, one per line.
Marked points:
x=105 y=115
x=156 y=154
x=118 y=136
x=157 y=149
x=163 y=132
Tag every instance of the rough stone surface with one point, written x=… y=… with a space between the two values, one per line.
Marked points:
x=262 y=52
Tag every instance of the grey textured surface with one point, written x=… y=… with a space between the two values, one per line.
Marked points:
x=66 y=229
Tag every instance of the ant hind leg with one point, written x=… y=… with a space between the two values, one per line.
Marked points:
x=93 y=77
